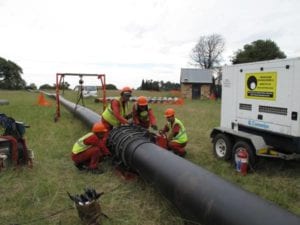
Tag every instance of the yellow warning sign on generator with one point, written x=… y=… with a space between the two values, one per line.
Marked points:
x=261 y=85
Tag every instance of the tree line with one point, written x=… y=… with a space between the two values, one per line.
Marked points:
x=151 y=85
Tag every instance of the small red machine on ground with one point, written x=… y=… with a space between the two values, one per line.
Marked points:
x=13 y=147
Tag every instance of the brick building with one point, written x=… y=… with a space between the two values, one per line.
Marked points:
x=195 y=83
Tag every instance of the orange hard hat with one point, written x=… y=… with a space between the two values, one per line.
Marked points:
x=169 y=112
x=126 y=89
x=142 y=101
x=99 y=127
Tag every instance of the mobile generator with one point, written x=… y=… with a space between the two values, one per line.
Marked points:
x=260 y=111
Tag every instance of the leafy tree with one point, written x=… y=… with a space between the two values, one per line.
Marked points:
x=63 y=85
x=47 y=86
x=168 y=86
x=110 y=87
x=142 y=87
x=258 y=51
x=208 y=51
x=158 y=85
x=31 y=86
x=12 y=75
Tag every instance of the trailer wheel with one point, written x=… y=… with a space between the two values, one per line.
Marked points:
x=222 y=146
x=243 y=145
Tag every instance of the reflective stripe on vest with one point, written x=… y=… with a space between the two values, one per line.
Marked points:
x=79 y=146
x=108 y=114
x=181 y=137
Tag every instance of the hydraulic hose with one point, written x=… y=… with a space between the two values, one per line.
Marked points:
x=199 y=195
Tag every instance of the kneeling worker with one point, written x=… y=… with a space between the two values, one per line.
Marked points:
x=90 y=149
x=176 y=133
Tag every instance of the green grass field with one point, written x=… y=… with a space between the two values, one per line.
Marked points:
x=38 y=196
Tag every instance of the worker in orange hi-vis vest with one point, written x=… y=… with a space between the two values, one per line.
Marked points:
x=143 y=114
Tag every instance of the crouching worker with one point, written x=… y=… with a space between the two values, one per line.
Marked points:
x=90 y=149
x=176 y=133
x=143 y=114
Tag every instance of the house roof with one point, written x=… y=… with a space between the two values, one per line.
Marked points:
x=189 y=75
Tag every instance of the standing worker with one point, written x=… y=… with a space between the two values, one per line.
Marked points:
x=176 y=133
x=116 y=112
x=143 y=114
x=90 y=149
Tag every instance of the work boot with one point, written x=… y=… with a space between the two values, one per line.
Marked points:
x=183 y=154
x=80 y=166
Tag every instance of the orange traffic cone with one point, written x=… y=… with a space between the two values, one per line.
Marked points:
x=42 y=101
x=179 y=101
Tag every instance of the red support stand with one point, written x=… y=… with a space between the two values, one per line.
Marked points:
x=60 y=77
x=103 y=82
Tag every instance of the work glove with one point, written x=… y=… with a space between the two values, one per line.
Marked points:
x=126 y=122
x=129 y=116
x=130 y=122
x=154 y=127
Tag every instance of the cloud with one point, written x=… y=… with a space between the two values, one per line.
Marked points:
x=134 y=39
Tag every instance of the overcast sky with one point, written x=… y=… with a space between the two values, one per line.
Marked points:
x=131 y=40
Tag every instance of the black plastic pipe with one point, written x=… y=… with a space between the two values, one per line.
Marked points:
x=200 y=196
x=86 y=115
